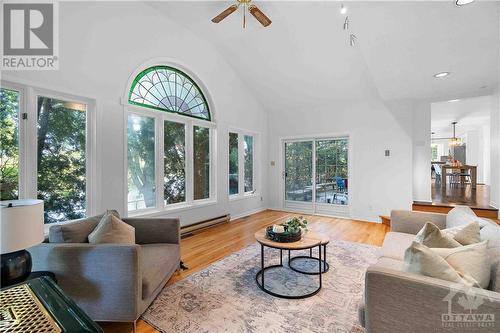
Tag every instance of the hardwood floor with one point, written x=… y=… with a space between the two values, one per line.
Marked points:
x=209 y=245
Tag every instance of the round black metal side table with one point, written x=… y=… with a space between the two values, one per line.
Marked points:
x=309 y=241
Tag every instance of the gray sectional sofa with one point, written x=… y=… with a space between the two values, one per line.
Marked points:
x=397 y=301
x=111 y=282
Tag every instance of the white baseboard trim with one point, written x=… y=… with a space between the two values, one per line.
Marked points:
x=254 y=211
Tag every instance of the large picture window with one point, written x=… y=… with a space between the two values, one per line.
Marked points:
x=45 y=151
x=169 y=142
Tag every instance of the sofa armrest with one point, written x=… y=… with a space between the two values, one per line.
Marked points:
x=411 y=222
x=156 y=230
x=105 y=280
x=404 y=302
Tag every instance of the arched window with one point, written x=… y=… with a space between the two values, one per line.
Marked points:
x=169 y=89
x=170 y=146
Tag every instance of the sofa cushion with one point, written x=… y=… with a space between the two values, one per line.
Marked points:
x=462 y=215
x=395 y=244
x=112 y=230
x=76 y=231
x=431 y=236
x=158 y=261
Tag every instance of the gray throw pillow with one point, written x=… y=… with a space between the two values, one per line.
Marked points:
x=76 y=231
x=112 y=230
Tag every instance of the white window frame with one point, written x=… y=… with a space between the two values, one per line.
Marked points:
x=28 y=172
x=241 y=164
x=190 y=122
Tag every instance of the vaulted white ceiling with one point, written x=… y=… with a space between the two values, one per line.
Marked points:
x=304 y=57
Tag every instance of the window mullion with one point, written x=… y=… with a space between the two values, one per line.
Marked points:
x=241 y=164
x=159 y=156
x=189 y=163
x=30 y=146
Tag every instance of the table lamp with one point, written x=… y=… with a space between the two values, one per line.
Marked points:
x=21 y=226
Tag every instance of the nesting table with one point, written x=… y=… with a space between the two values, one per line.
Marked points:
x=309 y=241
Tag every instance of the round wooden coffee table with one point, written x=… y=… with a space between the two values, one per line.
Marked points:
x=309 y=240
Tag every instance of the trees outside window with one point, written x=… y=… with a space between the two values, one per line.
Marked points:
x=141 y=162
x=61 y=140
x=174 y=162
x=233 y=163
x=9 y=147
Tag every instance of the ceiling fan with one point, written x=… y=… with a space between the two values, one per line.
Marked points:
x=256 y=12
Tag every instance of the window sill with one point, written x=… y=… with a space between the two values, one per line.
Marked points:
x=248 y=195
x=179 y=207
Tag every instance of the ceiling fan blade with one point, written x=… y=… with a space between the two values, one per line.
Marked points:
x=225 y=14
x=260 y=16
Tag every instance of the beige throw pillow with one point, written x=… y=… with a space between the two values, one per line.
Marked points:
x=431 y=236
x=420 y=259
x=112 y=230
x=466 y=264
x=471 y=260
x=465 y=235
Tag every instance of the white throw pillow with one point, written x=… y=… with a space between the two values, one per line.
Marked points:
x=468 y=265
x=462 y=215
x=112 y=230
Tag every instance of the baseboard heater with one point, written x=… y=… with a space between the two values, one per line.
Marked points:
x=189 y=229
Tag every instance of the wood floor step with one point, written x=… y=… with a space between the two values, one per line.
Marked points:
x=491 y=213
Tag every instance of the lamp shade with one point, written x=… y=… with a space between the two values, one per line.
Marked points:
x=21 y=224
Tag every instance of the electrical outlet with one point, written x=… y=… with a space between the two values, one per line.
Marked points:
x=387 y=152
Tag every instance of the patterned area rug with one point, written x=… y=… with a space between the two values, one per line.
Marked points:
x=224 y=297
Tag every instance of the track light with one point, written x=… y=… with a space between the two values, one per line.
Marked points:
x=352 y=39
x=346 y=23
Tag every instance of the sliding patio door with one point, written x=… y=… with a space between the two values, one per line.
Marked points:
x=316 y=175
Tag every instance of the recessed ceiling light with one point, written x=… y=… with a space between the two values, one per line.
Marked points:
x=453 y=100
x=442 y=74
x=463 y=2
x=343 y=10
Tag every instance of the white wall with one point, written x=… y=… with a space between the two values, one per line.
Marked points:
x=101 y=44
x=379 y=183
x=495 y=150
x=422 y=152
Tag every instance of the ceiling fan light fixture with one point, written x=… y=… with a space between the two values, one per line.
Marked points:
x=225 y=13
x=259 y=15
x=460 y=3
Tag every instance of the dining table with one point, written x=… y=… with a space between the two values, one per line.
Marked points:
x=461 y=169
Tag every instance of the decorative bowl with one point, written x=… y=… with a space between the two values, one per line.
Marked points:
x=283 y=237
